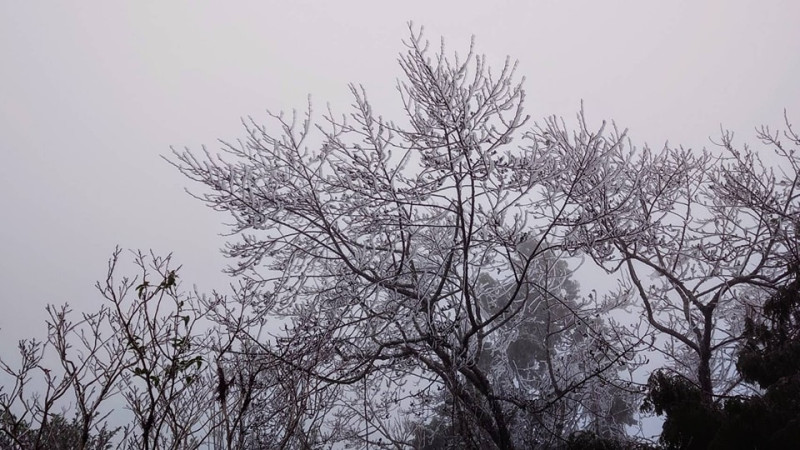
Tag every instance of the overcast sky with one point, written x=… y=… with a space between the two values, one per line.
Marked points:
x=93 y=93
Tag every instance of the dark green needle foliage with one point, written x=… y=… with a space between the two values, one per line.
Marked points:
x=769 y=358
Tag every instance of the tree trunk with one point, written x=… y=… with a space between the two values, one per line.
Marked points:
x=704 y=368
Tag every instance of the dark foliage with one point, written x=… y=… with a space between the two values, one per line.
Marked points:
x=57 y=434
x=584 y=440
x=770 y=358
x=772 y=349
x=690 y=422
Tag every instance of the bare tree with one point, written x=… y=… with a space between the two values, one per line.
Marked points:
x=142 y=350
x=264 y=402
x=699 y=237
x=89 y=363
x=153 y=357
x=371 y=240
x=25 y=414
x=168 y=389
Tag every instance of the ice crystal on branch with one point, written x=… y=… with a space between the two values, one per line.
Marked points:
x=409 y=251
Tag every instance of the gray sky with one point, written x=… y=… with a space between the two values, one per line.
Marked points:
x=92 y=93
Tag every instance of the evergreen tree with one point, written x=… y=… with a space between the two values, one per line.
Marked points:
x=770 y=358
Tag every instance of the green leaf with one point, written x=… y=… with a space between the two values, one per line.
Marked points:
x=133 y=344
x=170 y=281
x=141 y=290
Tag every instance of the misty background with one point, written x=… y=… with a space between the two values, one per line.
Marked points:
x=92 y=94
